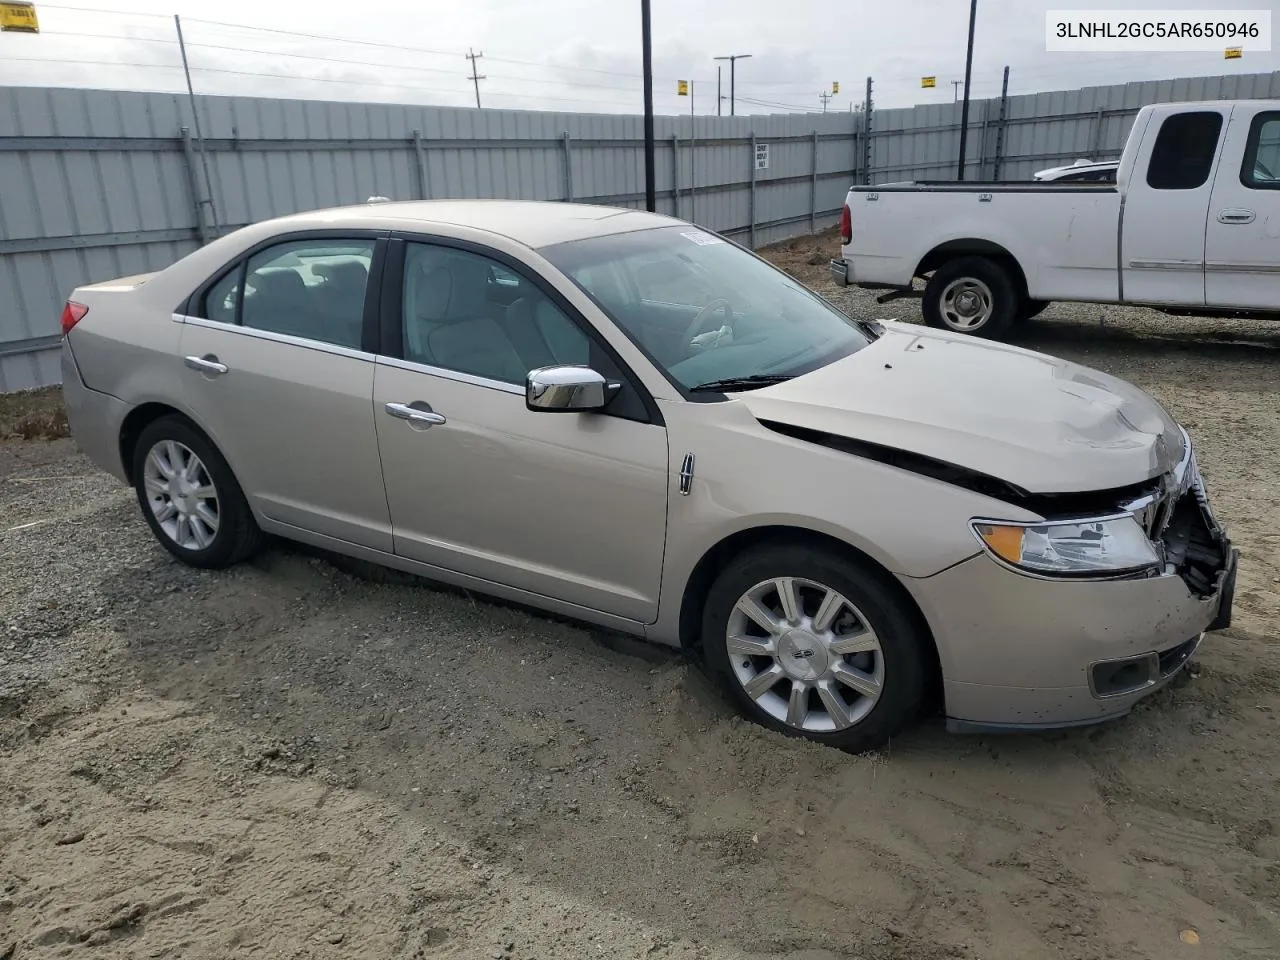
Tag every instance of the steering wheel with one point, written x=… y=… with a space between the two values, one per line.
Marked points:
x=698 y=322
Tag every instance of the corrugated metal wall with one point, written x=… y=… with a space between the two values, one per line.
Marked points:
x=99 y=184
x=1040 y=129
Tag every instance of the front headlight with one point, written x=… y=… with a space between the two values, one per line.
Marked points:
x=1112 y=545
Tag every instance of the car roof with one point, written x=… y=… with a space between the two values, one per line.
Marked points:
x=535 y=223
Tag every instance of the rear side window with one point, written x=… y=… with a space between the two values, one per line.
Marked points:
x=1261 y=168
x=219 y=301
x=314 y=289
x=1185 y=147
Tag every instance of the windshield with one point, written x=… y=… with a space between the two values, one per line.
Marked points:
x=705 y=309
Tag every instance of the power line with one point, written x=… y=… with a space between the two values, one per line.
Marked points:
x=369 y=83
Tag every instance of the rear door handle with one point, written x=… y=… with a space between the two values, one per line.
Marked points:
x=1236 y=216
x=415 y=415
x=207 y=364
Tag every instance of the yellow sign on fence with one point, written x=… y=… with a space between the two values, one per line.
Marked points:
x=928 y=81
x=1233 y=53
x=682 y=88
x=19 y=16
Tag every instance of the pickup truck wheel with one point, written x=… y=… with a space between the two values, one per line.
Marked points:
x=814 y=645
x=971 y=295
x=1032 y=308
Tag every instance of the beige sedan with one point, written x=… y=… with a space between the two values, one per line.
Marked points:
x=626 y=419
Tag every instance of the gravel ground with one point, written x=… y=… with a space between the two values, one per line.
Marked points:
x=298 y=758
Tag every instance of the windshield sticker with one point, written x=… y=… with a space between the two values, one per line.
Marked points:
x=701 y=239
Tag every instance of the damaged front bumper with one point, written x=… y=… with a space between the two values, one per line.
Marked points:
x=1028 y=653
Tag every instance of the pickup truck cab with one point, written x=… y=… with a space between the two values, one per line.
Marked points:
x=1191 y=226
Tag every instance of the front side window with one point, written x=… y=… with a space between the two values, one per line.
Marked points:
x=1182 y=157
x=1261 y=169
x=705 y=309
x=313 y=289
x=467 y=313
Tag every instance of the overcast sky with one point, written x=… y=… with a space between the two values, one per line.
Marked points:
x=581 y=55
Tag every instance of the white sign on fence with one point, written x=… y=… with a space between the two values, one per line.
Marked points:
x=762 y=156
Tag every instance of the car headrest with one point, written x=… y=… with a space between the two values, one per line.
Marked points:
x=470 y=294
x=351 y=274
x=279 y=283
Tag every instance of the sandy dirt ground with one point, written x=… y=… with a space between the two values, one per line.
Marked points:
x=302 y=758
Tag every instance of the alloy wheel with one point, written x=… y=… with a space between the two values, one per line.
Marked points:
x=805 y=654
x=181 y=495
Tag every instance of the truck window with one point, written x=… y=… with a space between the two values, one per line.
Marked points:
x=1261 y=167
x=1183 y=155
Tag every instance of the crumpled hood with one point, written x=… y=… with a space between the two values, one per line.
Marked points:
x=1046 y=425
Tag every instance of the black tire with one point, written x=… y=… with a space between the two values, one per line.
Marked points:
x=869 y=590
x=1032 y=309
x=1004 y=296
x=237 y=536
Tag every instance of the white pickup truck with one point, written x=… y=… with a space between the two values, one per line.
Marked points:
x=1191 y=226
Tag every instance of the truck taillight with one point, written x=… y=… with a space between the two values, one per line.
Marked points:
x=72 y=314
x=846 y=224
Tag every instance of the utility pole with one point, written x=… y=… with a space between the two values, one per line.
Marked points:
x=650 y=182
x=824 y=97
x=719 y=97
x=955 y=90
x=475 y=77
x=195 y=119
x=968 y=73
x=733 y=61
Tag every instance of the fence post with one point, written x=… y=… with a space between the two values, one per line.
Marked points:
x=866 y=137
x=752 y=199
x=424 y=185
x=675 y=175
x=568 y=166
x=1004 y=120
x=202 y=220
x=813 y=186
x=1097 y=134
x=982 y=139
x=693 y=169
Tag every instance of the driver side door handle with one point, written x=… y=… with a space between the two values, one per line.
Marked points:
x=415 y=416
x=1236 y=215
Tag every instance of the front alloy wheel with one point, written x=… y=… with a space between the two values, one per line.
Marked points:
x=816 y=643
x=805 y=654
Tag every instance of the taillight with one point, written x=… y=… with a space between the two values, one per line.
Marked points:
x=72 y=314
x=846 y=225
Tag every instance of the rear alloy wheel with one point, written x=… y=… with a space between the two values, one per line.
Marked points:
x=190 y=498
x=813 y=645
x=972 y=295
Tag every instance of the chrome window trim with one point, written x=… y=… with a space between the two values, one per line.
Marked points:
x=456 y=376
x=272 y=336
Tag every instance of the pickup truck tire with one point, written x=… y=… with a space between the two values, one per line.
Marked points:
x=1032 y=308
x=972 y=295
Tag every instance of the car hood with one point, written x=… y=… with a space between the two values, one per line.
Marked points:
x=1042 y=424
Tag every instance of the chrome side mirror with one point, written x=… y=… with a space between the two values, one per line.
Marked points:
x=567 y=389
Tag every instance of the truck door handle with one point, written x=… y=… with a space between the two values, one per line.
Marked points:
x=417 y=417
x=207 y=364
x=1236 y=216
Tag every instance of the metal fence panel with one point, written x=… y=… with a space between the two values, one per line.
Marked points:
x=100 y=183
